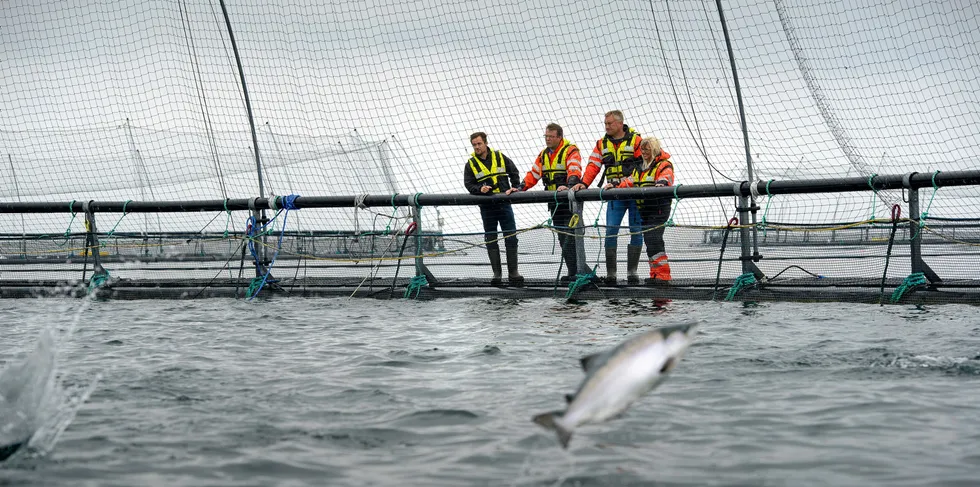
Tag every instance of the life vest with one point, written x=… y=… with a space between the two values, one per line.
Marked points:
x=649 y=178
x=625 y=151
x=554 y=171
x=490 y=176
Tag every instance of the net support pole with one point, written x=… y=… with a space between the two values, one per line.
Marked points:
x=745 y=134
x=420 y=268
x=258 y=214
x=92 y=241
x=248 y=102
x=748 y=264
x=582 y=266
x=261 y=217
x=915 y=233
x=23 y=226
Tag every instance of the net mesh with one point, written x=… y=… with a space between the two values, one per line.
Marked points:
x=114 y=101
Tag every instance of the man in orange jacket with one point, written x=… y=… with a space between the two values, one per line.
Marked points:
x=656 y=169
x=618 y=151
x=559 y=165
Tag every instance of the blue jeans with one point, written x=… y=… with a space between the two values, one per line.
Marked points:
x=504 y=215
x=615 y=210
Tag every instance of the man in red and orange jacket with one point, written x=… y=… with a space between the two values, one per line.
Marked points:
x=618 y=151
x=559 y=165
x=656 y=169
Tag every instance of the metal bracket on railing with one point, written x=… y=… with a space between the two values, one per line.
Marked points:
x=258 y=213
x=92 y=242
x=907 y=184
x=915 y=233
x=575 y=206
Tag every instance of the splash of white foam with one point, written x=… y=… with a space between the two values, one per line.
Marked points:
x=34 y=405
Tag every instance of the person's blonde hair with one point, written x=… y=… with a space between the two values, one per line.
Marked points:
x=654 y=144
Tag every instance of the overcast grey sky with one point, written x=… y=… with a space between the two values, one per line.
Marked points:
x=831 y=89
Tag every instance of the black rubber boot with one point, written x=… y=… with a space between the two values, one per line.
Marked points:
x=571 y=260
x=493 y=251
x=610 y=266
x=632 y=262
x=515 y=278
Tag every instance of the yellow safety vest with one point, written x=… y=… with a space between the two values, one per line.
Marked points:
x=649 y=178
x=625 y=151
x=498 y=168
x=554 y=172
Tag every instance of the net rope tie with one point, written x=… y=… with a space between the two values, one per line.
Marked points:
x=741 y=282
x=911 y=282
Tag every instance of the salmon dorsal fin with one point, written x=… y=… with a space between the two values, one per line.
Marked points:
x=589 y=362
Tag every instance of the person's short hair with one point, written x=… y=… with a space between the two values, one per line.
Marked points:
x=481 y=135
x=615 y=113
x=653 y=142
x=554 y=127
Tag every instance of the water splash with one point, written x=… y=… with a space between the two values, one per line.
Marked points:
x=949 y=365
x=35 y=407
x=26 y=389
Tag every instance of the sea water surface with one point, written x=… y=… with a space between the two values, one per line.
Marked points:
x=297 y=392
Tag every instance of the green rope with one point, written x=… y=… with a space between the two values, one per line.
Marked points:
x=98 y=280
x=111 y=232
x=581 y=280
x=394 y=209
x=925 y=214
x=677 y=201
x=595 y=225
x=227 y=220
x=741 y=282
x=874 y=198
x=68 y=230
x=910 y=282
x=550 y=224
x=253 y=287
x=602 y=203
x=416 y=285
x=763 y=224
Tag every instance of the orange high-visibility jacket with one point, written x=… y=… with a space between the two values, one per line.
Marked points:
x=660 y=172
x=560 y=167
x=628 y=147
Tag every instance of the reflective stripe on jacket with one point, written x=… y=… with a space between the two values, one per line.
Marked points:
x=626 y=150
x=490 y=176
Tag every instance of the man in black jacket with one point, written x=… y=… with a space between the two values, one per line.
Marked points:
x=489 y=172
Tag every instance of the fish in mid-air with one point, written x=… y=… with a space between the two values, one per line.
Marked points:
x=616 y=378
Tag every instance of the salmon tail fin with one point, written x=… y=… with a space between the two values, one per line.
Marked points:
x=551 y=421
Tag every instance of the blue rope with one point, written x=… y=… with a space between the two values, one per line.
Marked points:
x=288 y=203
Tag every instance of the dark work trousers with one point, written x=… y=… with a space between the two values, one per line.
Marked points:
x=566 y=237
x=503 y=214
x=653 y=229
